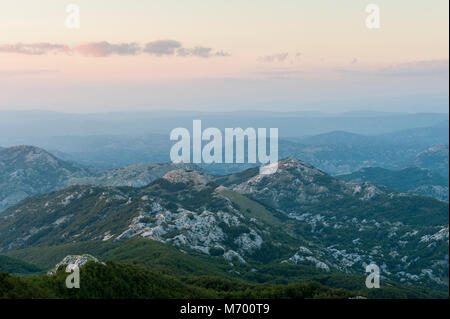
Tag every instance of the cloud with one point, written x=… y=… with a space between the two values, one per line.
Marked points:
x=172 y=47
x=222 y=53
x=162 y=47
x=279 y=57
x=34 y=48
x=201 y=52
x=157 y=48
x=103 y=49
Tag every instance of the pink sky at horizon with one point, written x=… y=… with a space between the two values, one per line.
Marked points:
x=409 y=51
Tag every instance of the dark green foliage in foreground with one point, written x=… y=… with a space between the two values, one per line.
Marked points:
x=13 y=287
x=121 y=280
x=210 y=276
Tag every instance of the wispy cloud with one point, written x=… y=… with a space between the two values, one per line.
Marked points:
x=34 y=48
x=222 y=53
x=201 y=52
x=172 y=47
x=279 y=57
x=156 y=48
x=104 y=49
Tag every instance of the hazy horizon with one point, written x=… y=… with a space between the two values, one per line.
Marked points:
x=190 y=113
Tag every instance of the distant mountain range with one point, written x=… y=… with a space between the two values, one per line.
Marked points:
x=335 y=153
x=422 y=136
x=336 y=143
x=28 y=170
x=341 y=152
x=34 y=127
x=297 y=216
x=414 y=180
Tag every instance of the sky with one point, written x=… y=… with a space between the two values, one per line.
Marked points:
x=223 y=55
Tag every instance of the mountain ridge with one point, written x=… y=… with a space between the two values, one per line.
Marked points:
x=29 y=170
x=299 y=215
x=413 y=180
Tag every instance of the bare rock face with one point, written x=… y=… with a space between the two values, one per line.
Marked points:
x=197 y=179
x=71 y=261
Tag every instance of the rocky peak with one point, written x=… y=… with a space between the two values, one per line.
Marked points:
x=298 y=185
x=289 y=170
x=71 y=261
x=198 y=179
x=290 y=163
